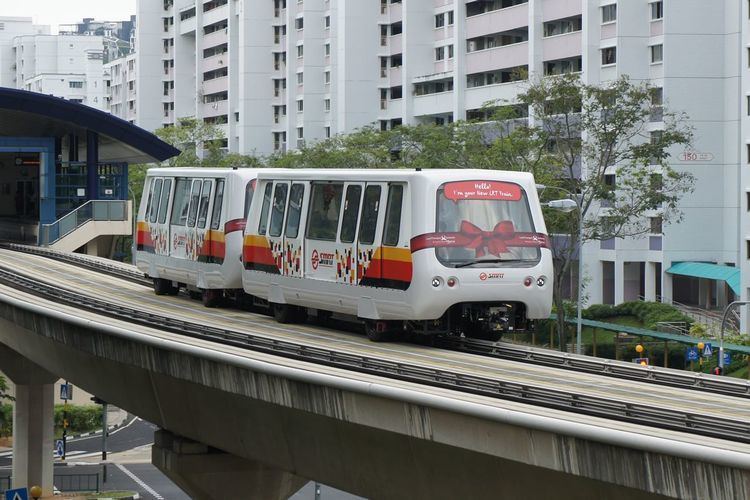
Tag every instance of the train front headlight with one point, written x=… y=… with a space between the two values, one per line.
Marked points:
x=541 y=280
x=437 y=281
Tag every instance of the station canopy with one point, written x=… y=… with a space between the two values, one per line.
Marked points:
x=30 y=114
x=731 y=275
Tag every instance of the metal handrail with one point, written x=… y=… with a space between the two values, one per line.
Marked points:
x=97 y=210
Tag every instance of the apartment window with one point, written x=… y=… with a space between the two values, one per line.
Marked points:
x=747 y=243
x=562 y=66
x=327 y=22
x=299 y=23
x=77 y=85
x=327 y=104
x=450 y=17
x=747 y=198
x=562 y=26
x=657 y=10
x=327 y=132
x=747 y=98
x=439 y=20
x=440 y=53
x=300 y=106
x=300 y=133
x=609 y=13
x=327 y=77
x=609 y=55
x=657 y=102
x=300 y=51
x=327 y=49
x=300 y=78
x=657 y=53
x=656 y=224
x=748 y=153
x=450 y=51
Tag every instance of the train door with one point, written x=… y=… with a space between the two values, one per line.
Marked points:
x=346 y=253
x=178 y=227
x=276 y=222
x=202 y=234
x=192 y=245
x=293 y=236
x=160 y=232
x=321 y=231
x=369 y=234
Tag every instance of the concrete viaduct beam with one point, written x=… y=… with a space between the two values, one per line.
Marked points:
x=33 y=420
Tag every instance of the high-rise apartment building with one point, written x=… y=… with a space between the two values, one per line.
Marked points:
x=10 y=28
x=276 y=73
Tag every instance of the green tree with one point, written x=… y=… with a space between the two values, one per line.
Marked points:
x=603 y=131
x=190 y=136
x=4 y=390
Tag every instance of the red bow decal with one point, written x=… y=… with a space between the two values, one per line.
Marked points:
x=493 y=241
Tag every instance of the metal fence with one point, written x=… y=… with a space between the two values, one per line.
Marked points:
x=76 y=482
x=97 y=210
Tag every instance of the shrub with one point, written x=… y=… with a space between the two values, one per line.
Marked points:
x=6 y=420
x=649 y=313
x=80 y=418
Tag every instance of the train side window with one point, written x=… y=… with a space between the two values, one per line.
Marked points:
x=203 y=205
x=351 y=212
x=195 y=198
x=218 y=202
x=264 y=209
x=249 y=191
x=296 y=195
x=278 y=210
x=325 y=208
x=369 y=222
x=181 y=202
x=166 y=190
x=149 y=203
x=393 y=215
x=154 y=200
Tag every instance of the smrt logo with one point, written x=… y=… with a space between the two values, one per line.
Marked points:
x=315 y=259
x=483 y=276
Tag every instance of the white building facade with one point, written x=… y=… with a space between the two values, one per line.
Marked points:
x=275 y=73
x=10 y=28
x=120 y=85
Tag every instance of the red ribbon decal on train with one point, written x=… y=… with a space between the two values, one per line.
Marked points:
x=493 y=242
x=482 y=190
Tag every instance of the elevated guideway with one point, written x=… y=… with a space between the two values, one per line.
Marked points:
x=377 y=435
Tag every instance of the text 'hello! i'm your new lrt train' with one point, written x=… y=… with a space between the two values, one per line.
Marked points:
x=436 y=251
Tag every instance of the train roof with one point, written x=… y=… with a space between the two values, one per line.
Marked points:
x=206 y=171
x=430 y=174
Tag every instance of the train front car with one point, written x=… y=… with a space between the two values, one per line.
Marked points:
x=482 y=262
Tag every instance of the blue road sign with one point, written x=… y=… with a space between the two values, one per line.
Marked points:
x=17 y=494
x=66 y=392
x=727 y=358
x=59 y=447
x=692 y=354
x=640 y=361
x=707 y=350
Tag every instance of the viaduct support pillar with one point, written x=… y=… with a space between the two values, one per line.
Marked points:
x=205 y=473
x=33 y=432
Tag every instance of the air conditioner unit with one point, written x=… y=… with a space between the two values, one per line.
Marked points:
x=472 y=46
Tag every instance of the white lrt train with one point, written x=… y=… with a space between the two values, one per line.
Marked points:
x=189 y=229
x=434 y=251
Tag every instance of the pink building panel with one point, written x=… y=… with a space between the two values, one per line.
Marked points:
x=497 y=58
x=476 y=97
x=395 y=43
x=216 y=85
x=433 y=104
x=214 y=39
x=609 y=30
x=443 y=33
x=440 y=3
x=498 y=20
x=560 y=9
x=218 y=108
x=562 y=46
x=657 y=28
x=395 y=76
x=215 y=62
x=216 y=15
x=395 y=12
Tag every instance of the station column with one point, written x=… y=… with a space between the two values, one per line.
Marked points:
x=92 y=165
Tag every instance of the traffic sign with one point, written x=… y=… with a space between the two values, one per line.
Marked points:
x=66 y=392
x=707 y=350
x=59 y=448
x=692 y=354
x=17 y=494
x=727 y=358
x=640 y=361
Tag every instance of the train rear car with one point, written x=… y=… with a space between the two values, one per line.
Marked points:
x=189 y=229
x=463 y=252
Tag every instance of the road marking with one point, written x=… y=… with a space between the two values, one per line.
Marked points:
x=140 y=483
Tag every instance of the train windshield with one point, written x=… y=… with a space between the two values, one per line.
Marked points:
x=484 y=224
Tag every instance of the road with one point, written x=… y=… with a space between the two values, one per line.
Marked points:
x=129 y=467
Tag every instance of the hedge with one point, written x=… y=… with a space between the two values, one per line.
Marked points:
x=648 y=313
x=80 y=418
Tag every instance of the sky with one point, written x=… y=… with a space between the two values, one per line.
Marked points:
x=55 y=12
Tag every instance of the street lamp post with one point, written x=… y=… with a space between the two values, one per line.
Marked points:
x=723 y=322
x=568 y=205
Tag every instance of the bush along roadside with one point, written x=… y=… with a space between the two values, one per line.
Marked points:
x=649 y=313
x=80 y=418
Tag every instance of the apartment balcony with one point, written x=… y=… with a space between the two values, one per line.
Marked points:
x=609 y=30
x=216 y=38
x=187 y=26
x=168 y=74
x=215 y=85
x=443 y=33
x=657 y=28
x=168 y=97
x=562 y=46
x=279 y=15
x=395 y=74
x=476 y=97
x=445 y=66
x=396 y=13
x=559 y=9
x=215 y=62
x=508 y=56
x=279 y=97
x=498 y=21
x=395 y=43
x=218 y=108
x=216 y=15
x=432 y=104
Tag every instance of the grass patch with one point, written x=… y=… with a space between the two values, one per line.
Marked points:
x=608 y=336
x=741 y=373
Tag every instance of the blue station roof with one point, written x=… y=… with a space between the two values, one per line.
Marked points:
x=29 y=114
x=710 y=271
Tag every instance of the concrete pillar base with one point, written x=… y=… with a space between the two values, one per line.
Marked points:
x=33 y=415
x=205 y=473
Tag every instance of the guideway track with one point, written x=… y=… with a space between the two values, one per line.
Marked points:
x=633 y=412
x=502 y=350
